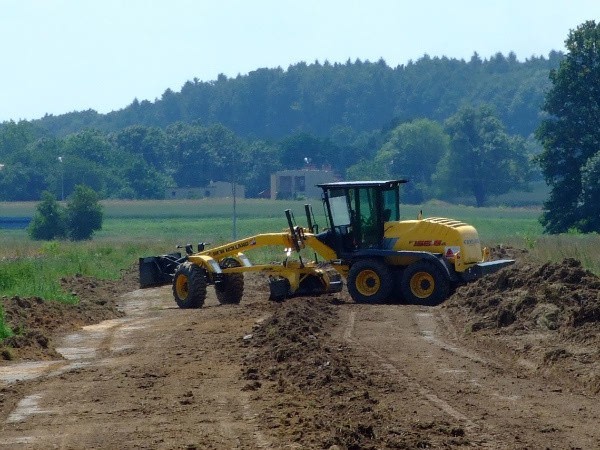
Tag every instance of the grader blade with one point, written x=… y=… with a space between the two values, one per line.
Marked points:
x=158 y=270
x=320 y=282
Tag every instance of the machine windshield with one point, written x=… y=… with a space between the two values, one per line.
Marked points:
x=339 y=207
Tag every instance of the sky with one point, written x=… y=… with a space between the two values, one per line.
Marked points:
x=61 y=56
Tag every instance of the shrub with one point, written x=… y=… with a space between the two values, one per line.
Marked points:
x=84 y=213
x=49 y=220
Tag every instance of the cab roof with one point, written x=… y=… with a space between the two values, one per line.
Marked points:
x=362 y=184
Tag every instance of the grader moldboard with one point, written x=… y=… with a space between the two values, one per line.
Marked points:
x=382 y=258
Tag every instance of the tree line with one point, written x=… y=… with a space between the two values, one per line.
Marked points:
x=353 y=118
x=318 y=98
x=470 y=154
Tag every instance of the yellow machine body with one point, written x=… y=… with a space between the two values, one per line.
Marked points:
x=457 y=241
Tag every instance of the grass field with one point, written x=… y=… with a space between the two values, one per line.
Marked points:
x=180 y=218
x=141 y=228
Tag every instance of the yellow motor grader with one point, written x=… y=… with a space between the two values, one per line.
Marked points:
x=382 y=258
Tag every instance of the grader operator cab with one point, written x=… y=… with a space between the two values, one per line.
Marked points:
x=381 y=257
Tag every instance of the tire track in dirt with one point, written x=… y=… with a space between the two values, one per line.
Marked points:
x=405 y=378
x=502 y=405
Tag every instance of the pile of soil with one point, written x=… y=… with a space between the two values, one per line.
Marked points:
x=550 y=312
x=35 y=321
x=325 y=397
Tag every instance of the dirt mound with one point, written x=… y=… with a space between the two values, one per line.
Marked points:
x=563 y=297
x=552 y=310
x=294 y=360
x=35 y=321
x=507 y=252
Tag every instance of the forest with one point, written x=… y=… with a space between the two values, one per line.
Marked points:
x=362 y=119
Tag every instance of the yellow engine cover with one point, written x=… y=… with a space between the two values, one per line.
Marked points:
x=436 y=235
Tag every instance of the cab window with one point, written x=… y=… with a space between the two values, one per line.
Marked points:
x=391 y=206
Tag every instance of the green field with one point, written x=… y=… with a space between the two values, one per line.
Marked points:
x=141 y=228
x=187 y=219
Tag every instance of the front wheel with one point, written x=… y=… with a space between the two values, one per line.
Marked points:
x=369 y=281
x=423 y=283
x=189 y=286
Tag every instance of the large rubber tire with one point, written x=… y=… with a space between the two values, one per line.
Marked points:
x=370 y=281
x=424 y=283
x=231 y=288
x=189 y=286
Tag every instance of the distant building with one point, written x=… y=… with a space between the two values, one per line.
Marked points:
x=294 y=184
x=216 y=189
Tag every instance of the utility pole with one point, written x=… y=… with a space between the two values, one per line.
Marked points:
x=233 y=192
x=62 y=176
x=233 y=188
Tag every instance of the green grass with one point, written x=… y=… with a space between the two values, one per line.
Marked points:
x=203 y=208
x=582 y=247
x=36 y=272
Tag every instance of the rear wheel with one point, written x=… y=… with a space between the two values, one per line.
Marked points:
x=189 y=286
x=231 y=287
x=423 y=283
x=369 y=281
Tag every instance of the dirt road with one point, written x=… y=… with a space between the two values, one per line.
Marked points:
x=306 y=373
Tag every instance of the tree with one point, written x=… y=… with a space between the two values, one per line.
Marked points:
x=29 y=170
x=78 y=170
x=570 y=134
x=15 y=136
x=20 y=182
x=590 y=193
x=140 y=180
x=483 y=159
x=88 y=159
x=49 y=220
x=413 y=152
x=299 y=148
x=149 y=143
x=92 y=145
x=366 y=170
x=263 y=160
x=84 y=213
x=193 y=161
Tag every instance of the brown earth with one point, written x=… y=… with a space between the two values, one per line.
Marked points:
x=548 y=314
x=508 y=362
x=36 y=323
